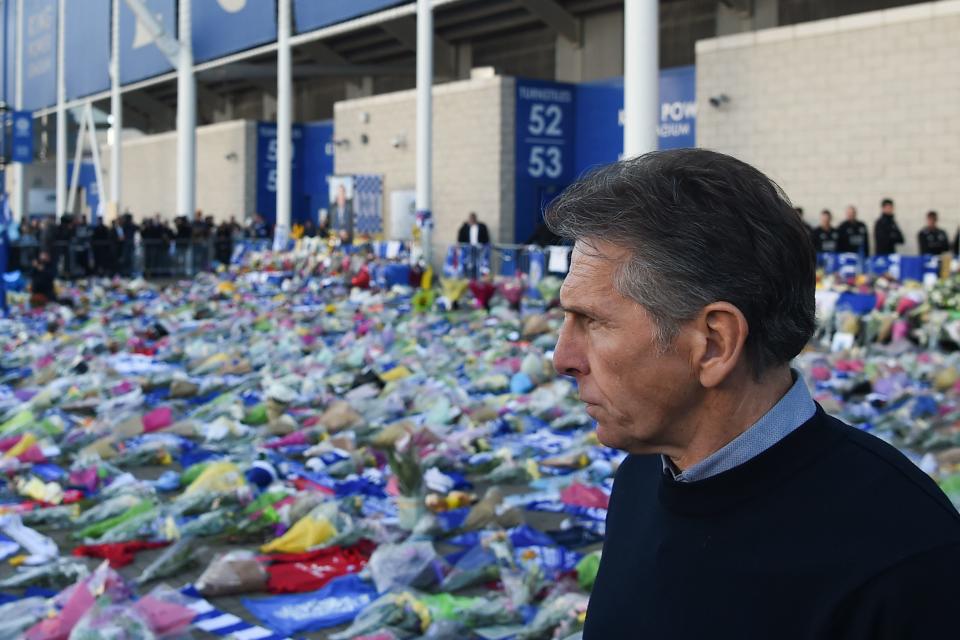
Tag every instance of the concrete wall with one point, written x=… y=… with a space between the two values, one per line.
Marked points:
x=601 y=54
x=845 y=111
x=226 y=172
x=473 y=151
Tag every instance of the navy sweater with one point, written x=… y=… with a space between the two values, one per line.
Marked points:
x=830 y=533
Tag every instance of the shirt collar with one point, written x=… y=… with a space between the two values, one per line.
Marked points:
x=793 y=409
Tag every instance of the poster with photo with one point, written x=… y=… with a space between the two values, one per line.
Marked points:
x=341 y=212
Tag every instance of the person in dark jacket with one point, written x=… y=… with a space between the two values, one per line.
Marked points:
x=742 y=509
x=42 y=281
x=826 y=239
x=854 y=235
x=932 y=240
x=886 y=232
x=473 y=232
x=102 y=248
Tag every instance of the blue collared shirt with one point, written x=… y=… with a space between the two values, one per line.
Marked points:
x=793 y=409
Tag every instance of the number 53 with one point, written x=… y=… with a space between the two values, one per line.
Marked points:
x=545 y=161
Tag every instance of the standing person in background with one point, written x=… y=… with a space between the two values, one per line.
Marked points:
x=101 y=247
x=854 y=235
x=473 y=232
x=130 y=230
x=932 y=240
x=224 y=243
x=799 y=212
x=81 y=235
x=886 y=231
x=116 y=248
x=341 y=215
x=5 y=220
x=826 y=239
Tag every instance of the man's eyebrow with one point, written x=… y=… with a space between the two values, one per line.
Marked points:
x=578 y=310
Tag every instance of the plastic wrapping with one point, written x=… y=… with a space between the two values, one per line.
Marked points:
x=399 y=612
x=399 y=565
x=232 y=573
x=19 y=615
x=174 y=559
x=112 y=622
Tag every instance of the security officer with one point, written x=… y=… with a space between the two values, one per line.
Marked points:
x=826 y=239
x=854 y=235
x=886 y=231
x=931 y=239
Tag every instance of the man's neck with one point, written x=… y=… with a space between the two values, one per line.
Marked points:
x=726 y=413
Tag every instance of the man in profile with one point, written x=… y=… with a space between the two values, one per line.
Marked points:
x=742 y=510
x=886 y=232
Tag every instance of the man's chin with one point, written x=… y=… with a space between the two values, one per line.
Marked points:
x=609 y=437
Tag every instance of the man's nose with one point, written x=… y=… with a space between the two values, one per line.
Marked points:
x=569 y=358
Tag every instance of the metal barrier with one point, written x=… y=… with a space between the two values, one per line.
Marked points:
x=80 y=257
x=505 y=260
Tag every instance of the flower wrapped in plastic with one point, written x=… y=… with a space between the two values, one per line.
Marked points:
x=402 y=613
x=175 y=559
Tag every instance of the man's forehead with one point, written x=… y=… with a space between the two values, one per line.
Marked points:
x=592 y=268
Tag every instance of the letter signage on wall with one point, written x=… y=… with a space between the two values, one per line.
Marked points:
x=267 y=172
x=678 y=108
x=544 y=129
x=139 y=56
x=39 y=54
x=87 y=47
x=222 y=27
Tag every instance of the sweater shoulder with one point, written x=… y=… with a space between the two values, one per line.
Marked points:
x=865 y=461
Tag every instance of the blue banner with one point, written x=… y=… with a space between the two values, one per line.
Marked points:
x=599 y=132
x=22 y=137
x=39 y=54
x=317 y=166
x=314 y=14
x=337 y=603
x=221 y=27
x=267 y=173
x=139 y=56
x=678 y=108
x=545 y=133
x=87 y=47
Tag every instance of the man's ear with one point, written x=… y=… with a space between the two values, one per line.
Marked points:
x=719 y=334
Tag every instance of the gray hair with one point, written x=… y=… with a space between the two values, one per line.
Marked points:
x=700 y=227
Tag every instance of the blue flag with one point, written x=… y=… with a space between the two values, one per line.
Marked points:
x=337 y=603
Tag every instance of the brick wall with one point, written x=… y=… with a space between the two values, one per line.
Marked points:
x=473 y=152
x=226 y=177
x=845 y=111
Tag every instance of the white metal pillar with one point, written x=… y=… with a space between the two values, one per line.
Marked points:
x=425 y=123
x=186 y=117
x=61 y=110
x=641 y=76
x=19 y=192
x=77 y=159
x=116 y=111
x=284 y=126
